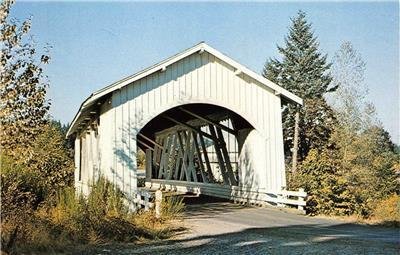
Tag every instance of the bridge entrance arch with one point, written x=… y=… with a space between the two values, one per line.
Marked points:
x=206 y=122
x=200 y=143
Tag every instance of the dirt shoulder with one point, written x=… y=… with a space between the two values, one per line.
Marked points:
x=226 y=228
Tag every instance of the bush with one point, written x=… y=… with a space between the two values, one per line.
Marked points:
x=20 y=189
x=319 y=175
x=31 y=174
x=172 y=207
x=351 y=175
x=21 y=195
x=387 y=211
x=32 y=221
x=101 y=217
x=51 y=160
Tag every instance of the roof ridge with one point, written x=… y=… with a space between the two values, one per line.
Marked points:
x=173 y=59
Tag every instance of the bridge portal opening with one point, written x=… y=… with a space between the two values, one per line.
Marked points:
x=198 y=143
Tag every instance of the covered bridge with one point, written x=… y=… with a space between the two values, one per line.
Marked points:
x=205 y=122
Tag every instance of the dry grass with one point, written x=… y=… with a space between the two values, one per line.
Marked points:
x=101 y=218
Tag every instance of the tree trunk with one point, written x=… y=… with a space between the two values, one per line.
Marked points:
x=295 y=142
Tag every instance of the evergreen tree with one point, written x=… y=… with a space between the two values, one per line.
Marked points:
x=303 y=70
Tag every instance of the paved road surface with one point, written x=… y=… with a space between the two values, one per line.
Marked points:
x=221 y=227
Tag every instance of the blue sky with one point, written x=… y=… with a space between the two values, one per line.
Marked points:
x=97 y=43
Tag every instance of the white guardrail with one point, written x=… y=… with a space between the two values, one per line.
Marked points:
x=286 y=197
x=237 y=194
x=143 y=199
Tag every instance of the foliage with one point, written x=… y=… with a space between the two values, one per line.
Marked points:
x=101 y=217
x=172 y=206
x=317 y=124
x=303 y=70
x=51 y=159
x=21 y=195
x=109 y=197
x=368 y=160
x=63 y=129
x=348 y=184
x=349 y=100
x=30 y=184
x=23 y=105
x=356 y=167
x=320 y=176
x=387 y=210
x=366 y=152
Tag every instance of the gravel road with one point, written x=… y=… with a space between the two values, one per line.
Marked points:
x=221 y=227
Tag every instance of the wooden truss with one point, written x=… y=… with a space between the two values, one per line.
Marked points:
x=182 y=153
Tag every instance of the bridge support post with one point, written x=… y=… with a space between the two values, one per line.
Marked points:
x=301 y=200
x=149 y=165
x=158 y=198
x=295 y=142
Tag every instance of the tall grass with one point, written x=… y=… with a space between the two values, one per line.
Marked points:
x=172 y=207
x=101 y=217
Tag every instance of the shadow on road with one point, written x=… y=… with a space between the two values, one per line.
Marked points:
x=207 y=207
x=277 y=232
x=300 y=239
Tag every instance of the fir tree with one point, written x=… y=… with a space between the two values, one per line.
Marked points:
x=303 y=70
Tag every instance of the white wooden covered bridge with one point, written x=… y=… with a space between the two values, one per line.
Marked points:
x=206 y=123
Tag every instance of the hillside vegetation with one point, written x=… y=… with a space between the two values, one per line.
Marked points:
x=346 y=161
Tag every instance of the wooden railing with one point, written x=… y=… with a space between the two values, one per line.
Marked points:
x=297 y=198
x=143 y=199
x=235 y=193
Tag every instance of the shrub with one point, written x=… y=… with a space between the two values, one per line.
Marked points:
x=319 y=175
x=387 y=211
x=172 y=207
x=20 y=189
x=69 y=215
x=21 y=195
x=71 y=219
x=105 y=199
x=101 y=217
x=351 y=175
x=51 y=160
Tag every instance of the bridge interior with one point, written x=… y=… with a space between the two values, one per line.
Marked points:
x=198 y=143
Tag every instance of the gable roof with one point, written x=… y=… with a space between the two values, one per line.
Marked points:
x=94 y=97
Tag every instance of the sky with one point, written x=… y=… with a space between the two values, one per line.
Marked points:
x=97 y=43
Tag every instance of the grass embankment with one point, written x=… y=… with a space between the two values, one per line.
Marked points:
x=73 y=222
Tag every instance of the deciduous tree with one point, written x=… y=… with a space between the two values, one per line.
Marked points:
x=23 y=105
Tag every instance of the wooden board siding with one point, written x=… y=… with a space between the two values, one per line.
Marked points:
x=198 y=78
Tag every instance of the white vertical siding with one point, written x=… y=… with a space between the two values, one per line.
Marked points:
x=199 y=78
x=106 y=140
x=77 y=160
